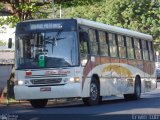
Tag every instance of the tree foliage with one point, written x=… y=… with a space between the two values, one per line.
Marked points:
x=139 y=15
x=20 y=10
x=71 y=3
x=2 y=43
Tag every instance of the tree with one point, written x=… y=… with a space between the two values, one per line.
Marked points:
x=88 y=11
x=2 y=43
x=21 y=10
x=138 y=15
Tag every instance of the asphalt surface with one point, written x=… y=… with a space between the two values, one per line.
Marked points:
x=112 y=108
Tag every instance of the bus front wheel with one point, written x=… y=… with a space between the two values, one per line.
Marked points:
x=40 y=103
x=95 y=97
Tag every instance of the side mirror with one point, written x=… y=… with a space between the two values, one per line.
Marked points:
x=83 y=36
x=10 y=43
x=84 y=62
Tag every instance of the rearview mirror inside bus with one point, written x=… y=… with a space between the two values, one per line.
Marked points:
x=39 y=38
x=10 y=43
x=84 y=36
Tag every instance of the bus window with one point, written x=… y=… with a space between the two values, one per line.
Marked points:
x=113 y=45
x=93 y=42
x=151 y=52
x=103 y=43
x=84 y=50
x=122 y=46
x=137 y=49
x=130 y=50
x=145 y=50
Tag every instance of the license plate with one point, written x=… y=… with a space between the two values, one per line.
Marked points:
x=43 y=89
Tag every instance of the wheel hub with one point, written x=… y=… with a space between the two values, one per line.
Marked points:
x=94 y=91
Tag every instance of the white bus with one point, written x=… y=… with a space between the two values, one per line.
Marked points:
x=79 y=58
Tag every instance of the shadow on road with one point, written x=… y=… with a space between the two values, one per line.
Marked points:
x=145 y=105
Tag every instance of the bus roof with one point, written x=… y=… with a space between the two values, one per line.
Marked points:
x=103 y=26
x=114 y=29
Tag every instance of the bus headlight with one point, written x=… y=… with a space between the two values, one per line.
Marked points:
x=19 y=82
x=74 y=79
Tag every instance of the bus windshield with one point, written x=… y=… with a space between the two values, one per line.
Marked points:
x=49 y=49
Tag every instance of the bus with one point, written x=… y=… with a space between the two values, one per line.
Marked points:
x=79 y=58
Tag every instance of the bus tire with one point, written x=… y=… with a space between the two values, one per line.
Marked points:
x=40 y=103
x=95 y=97
x=137 y=91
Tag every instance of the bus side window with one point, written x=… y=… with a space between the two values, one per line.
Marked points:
x=122 y=46
x=93 y=42
x=103 y=43
x=113 y=45
x=151 y=51
x=138 y=51
x=130 y=49
x=145 y=50
x=84 y=51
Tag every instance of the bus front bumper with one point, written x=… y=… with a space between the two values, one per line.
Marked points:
x=47 y=92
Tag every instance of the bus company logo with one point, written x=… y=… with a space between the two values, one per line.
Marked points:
x=53 y=72
x=57 y=72
x=8 y=117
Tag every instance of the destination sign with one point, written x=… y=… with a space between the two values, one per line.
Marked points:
x=44 y=26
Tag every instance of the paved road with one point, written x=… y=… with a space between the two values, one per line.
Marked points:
x=147 y=108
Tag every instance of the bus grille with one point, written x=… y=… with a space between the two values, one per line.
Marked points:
x=46 y=81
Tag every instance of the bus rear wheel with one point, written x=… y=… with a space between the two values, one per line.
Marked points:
x=137 y=91
x=40 y=103
x=95 y=97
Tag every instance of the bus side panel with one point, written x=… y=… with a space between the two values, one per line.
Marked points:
x=87 y=75
x=105 y=82
x=117 y=77
x=147 y=70
x=149 y=81
x=140 y=66
x=88 y=72
x=153 y=76
x=86 y=88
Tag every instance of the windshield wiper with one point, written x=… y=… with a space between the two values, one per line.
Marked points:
x=54 y=39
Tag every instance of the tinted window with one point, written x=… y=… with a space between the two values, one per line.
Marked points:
x=103 y=43
x=93 y=42
x=145 y=50
x=113 y=45
x=137 y=49
x=151 y=52
x=130 y=50
x=122 y=46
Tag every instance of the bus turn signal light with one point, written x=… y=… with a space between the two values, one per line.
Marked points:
x=28 y=73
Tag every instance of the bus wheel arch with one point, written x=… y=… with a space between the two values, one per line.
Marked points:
x=96 y=77
x=94 y=97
